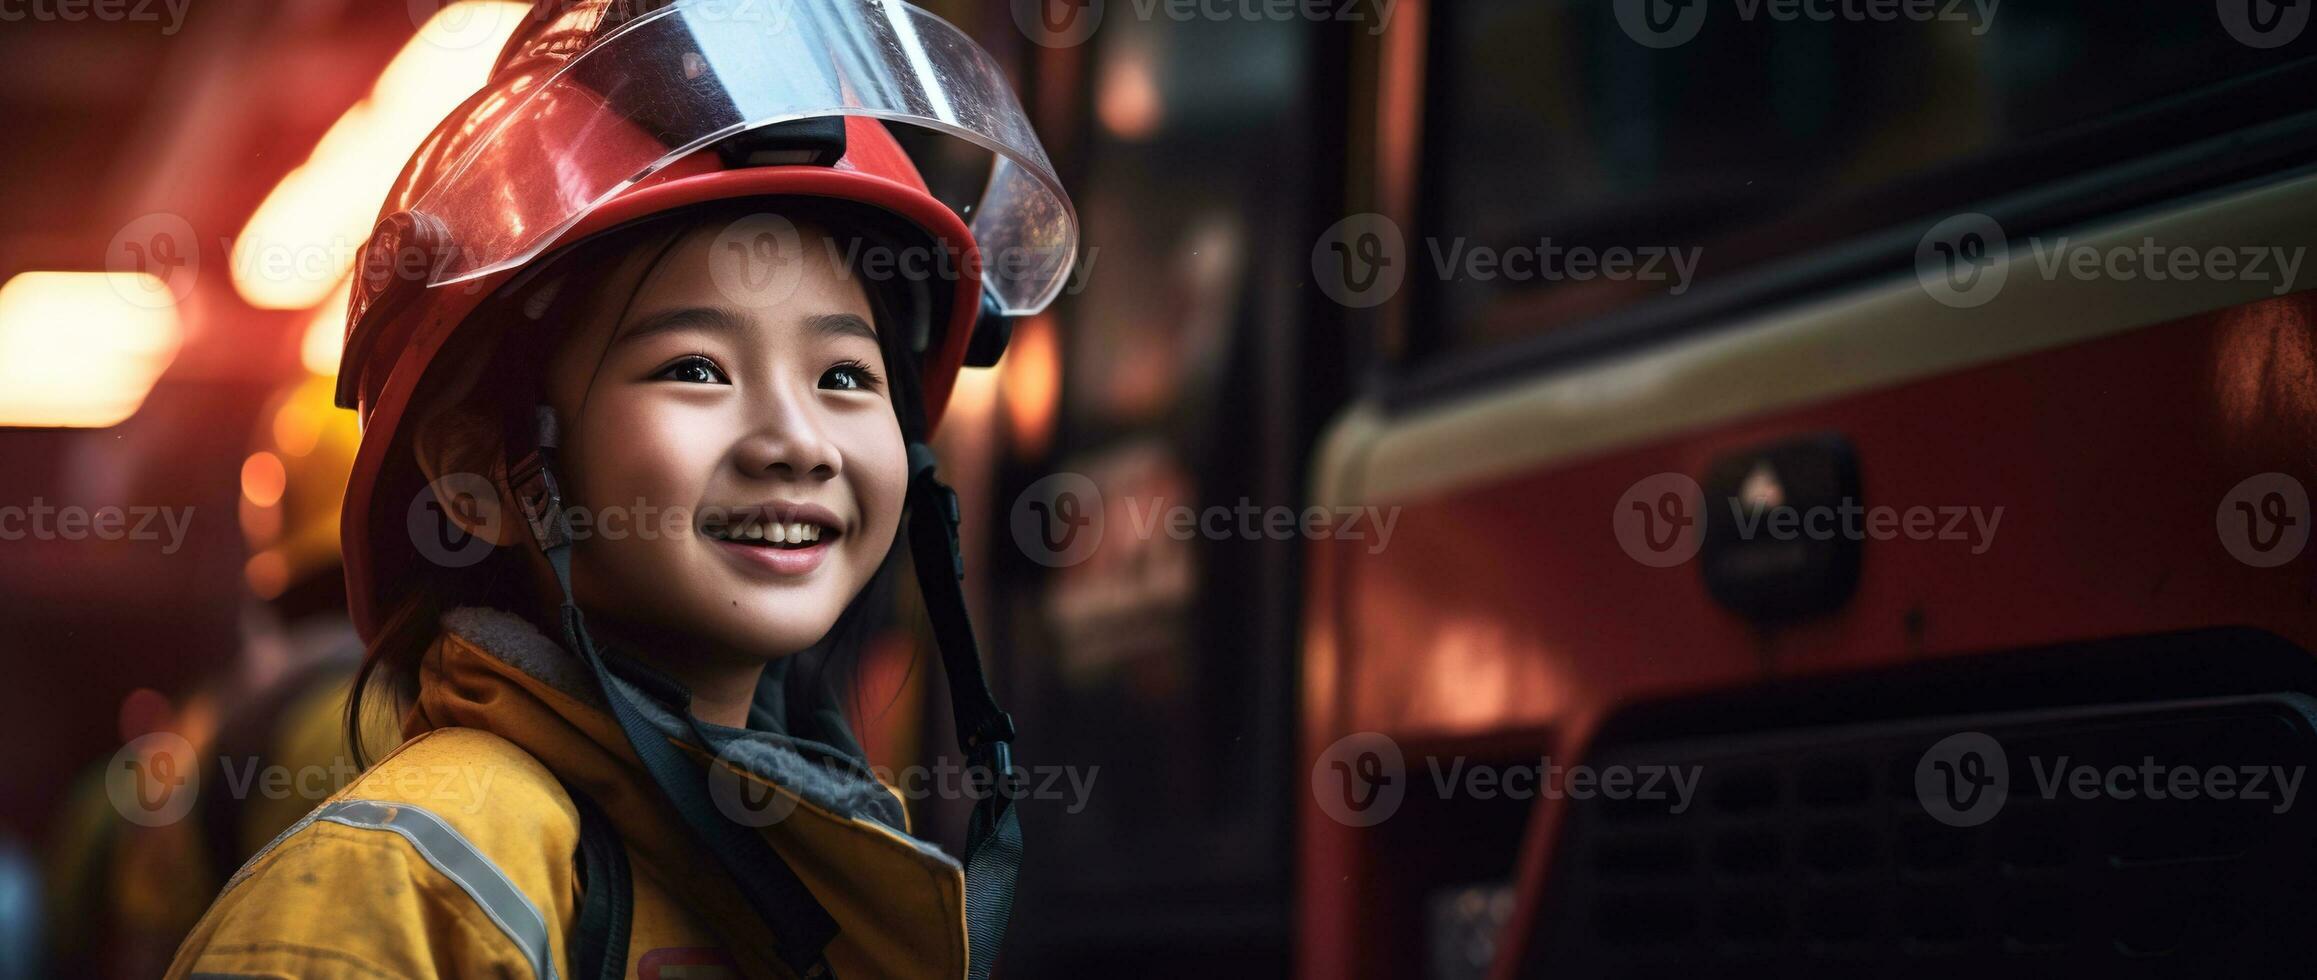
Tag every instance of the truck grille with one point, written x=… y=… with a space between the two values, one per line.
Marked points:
x=1815 y=851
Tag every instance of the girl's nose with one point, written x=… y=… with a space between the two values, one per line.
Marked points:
x=786 y=440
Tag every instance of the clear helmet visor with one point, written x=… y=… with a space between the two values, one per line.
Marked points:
x=695 y=72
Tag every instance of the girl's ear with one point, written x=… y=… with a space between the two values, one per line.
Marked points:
x=462 y=455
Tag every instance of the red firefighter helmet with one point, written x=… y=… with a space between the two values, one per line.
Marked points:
x=600 y=113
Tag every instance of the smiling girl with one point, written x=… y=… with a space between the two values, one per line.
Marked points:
x=643 y=426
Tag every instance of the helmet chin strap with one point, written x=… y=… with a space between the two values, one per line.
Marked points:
x=800 y=925
x=993 y=835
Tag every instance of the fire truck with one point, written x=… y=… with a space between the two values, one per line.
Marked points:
x=1917 y=585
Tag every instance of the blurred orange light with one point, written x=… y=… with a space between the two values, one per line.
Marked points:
x=263 y=478
x=1033 y=383
x=301 y=241
x=82 y=349
x=1128 y=100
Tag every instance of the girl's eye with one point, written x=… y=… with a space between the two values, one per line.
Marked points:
x=850 y=376
x=694 y=370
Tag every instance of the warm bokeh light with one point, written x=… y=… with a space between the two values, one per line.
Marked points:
x=76 y=349
x=326 y=332
x=1032 y=387
x=263 y=478
x=301 y=241
x=1128 y=100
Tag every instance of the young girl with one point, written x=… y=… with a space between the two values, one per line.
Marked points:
x=648 y=347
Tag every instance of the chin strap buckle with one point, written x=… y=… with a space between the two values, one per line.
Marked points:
x=1006 y=782
x=532 y=480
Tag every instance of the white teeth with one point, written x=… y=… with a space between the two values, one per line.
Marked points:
x=796 y=533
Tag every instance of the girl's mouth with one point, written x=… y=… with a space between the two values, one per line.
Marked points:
x=779 y=547
x=792 y=536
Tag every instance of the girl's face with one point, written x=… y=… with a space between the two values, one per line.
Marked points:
x=736 y=448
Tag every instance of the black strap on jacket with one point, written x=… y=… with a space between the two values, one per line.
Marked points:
x=993 y=836
x=599 y=943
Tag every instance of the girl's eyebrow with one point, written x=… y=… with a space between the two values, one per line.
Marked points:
x=714 y=319
x=843 y=325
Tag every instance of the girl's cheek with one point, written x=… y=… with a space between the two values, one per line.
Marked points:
x=882 y=475
x=647 y=449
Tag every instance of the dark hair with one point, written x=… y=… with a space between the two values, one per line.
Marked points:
x=514 y=334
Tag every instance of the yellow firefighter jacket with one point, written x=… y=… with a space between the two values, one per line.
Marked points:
x=453 y=856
